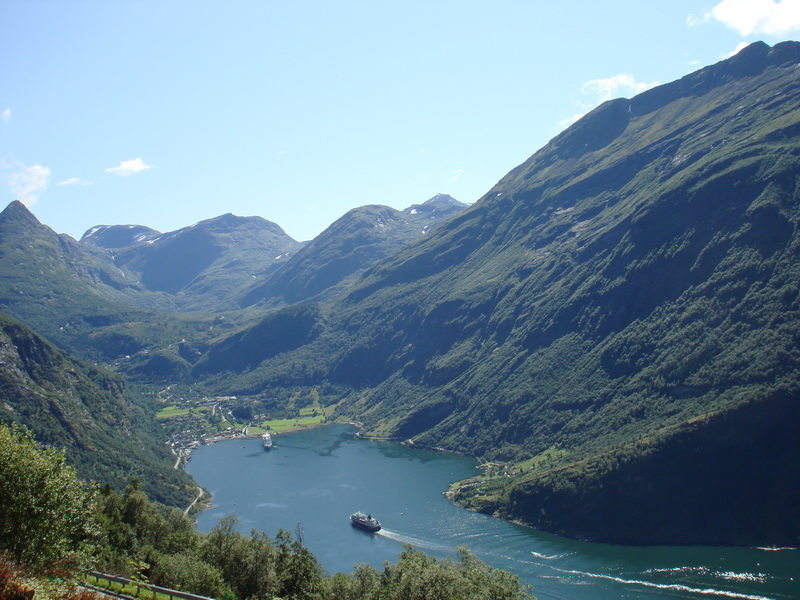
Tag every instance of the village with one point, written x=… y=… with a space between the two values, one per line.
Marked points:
x=192 y=422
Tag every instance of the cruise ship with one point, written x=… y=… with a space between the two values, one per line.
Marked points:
x=266 y=439
x=365 y=522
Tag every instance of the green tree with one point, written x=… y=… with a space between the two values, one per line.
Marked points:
x=363 y=583
x=46 y=512
x=188 y=572
x=419 y=576
x=247 y=564
x=300 y=574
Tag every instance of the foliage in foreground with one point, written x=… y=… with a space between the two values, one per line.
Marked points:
x=49 y=517
x=43 y=505
x=18 y=582
x=420 y=576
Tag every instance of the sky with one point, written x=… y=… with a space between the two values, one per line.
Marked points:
x=167 y=113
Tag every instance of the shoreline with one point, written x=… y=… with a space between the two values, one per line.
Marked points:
x=207 y=502
x=205 y=499
x=183 y=449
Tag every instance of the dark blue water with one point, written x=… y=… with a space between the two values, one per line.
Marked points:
x=311 y=482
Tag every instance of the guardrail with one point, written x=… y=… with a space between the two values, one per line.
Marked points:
x=123 y=581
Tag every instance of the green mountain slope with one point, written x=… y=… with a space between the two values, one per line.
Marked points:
x=55 y=285
x=632 y=285
x=86 y=411
x=356 y=241
x=730 y=477
x=279 y=332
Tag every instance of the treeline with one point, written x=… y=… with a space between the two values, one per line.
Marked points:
x=48 y=517
x=143 y=541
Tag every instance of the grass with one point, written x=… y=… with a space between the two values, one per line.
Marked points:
x=134 y=590
x=172 y=411
x=309 y=415
x=552 y=454
x=309 y=411
x=284 y=425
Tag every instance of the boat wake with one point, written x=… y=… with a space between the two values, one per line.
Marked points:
x=666 y=586
x=705 y=571
x=413 y=541
x=549 y=556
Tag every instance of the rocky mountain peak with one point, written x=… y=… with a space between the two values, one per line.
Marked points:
x=112 y=237
x=229 y=222
x=17 y=212
x=441 y=204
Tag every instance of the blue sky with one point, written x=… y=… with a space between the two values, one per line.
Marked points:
x=167 y=113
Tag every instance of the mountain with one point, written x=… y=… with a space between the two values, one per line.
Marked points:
x=114 y=295
x=57 y=286
x=617 y=317
x=612 y=329
x=86 y=411
x=434 y=211
x=77 y=298
x=205 y=267
x=113 y=237
x=356 y=241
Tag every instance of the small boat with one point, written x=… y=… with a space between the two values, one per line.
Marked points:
x=365 y=522
x=266 y=440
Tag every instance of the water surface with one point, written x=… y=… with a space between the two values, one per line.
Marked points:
x=312 y=480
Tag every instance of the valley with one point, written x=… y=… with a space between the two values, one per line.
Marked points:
x=613 y=329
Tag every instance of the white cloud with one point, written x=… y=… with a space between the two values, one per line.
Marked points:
x=623 y=84
x=564 y=123
x=26 y=183
x=6 y=117
x=598 y=91
x=750 y=17
x=739 y=46
x=456 y=175
x=129 y=167
x=693 y=20
x=75 y=181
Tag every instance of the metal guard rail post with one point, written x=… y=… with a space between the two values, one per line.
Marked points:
x=154 y=588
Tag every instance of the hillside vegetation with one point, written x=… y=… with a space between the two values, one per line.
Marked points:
x=334 y=259
x=87 y=412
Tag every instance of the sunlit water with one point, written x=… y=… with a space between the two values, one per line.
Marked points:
x=311 y=482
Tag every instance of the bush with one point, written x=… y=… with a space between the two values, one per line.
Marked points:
x=46 y=512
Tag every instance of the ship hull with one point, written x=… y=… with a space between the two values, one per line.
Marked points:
x=365 y=527
x=365 y=523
